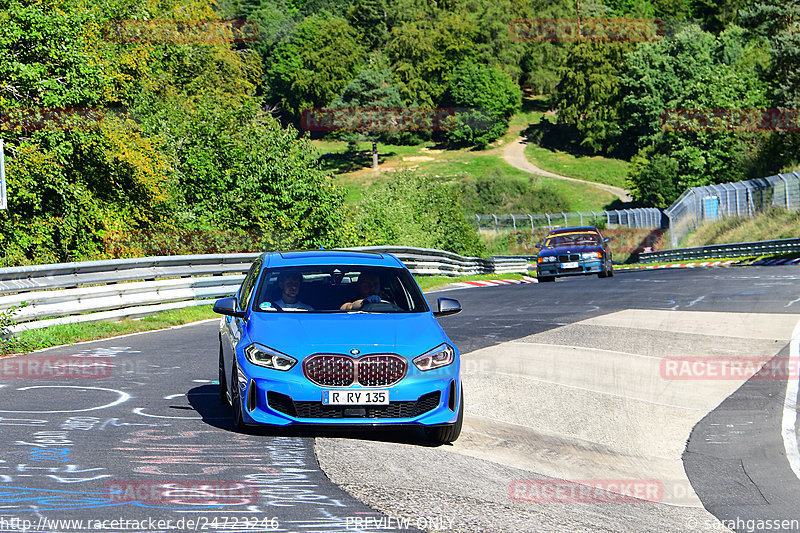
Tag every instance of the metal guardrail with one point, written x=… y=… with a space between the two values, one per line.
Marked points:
x=97 y=290
x=742 y=249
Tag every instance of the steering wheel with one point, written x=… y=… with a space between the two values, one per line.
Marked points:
x=381 y=306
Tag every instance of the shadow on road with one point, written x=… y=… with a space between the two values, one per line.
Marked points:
x=205 y=401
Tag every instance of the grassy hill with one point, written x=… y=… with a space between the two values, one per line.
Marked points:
x=770 y=225
x=487 y=184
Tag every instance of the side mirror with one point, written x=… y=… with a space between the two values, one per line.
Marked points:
x=538 y=245
x=228 y=306
x=607 y=239
x=447 y=306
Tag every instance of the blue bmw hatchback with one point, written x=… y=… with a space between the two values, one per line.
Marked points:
x=338 y=338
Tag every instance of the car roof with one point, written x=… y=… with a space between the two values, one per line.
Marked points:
x=576 y=229
x=330 y=257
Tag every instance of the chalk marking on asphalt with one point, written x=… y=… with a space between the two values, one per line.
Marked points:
x=123 y=397
x=792 y=302
x=586 y=389
x=140 y=411
x=789 y=422
x=696 y=300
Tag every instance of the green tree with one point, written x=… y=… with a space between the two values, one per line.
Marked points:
x=588 y=96
x=775 y=22
x=693 y=71
x=372 y=88
x=491 y=98
x=312 y=67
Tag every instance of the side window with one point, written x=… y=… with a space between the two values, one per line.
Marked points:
x=247 y=285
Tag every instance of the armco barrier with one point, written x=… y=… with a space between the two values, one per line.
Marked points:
x=97 y=290
x=743 y=249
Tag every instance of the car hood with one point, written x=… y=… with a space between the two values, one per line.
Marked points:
x=300 y=334
x=570 y=249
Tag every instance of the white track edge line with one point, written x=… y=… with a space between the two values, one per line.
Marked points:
x=789 y=421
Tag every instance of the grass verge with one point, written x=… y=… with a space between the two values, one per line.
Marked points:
x=37 y=339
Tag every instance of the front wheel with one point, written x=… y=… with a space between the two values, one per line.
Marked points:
x=223 y=383
x=545 y=279
x=603 y=271
x=450 y=432
x=236 y=401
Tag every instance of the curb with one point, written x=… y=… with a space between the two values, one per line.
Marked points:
x=678 y=265
x=493 y=282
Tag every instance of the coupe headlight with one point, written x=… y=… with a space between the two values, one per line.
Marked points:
x=591 y=255
x=437 y=358
x=267 y=357
x=547 y=259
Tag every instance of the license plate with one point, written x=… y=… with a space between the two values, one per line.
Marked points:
x=569 y=265
x=355 y=397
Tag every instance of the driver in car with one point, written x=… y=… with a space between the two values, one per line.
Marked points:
x=289 y=283
x=368 y=286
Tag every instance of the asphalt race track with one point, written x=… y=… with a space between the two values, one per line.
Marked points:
x=567 y=385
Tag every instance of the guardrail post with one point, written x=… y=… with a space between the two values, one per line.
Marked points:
x=581 y=215
x=595 y=217
x=495 y=222
x=479 y=221
x=514 y=223
x=566 y=223
x=549 y=224
x=531 y=218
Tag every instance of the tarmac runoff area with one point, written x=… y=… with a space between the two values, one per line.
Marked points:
x=582 y=405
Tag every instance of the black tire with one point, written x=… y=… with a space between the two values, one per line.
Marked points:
x=236 y=401
x=545 y=279
x=603 y=271
x=223 y=383
x=450 y=432
x=611 y=271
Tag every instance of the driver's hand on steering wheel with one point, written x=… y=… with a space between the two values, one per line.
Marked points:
x=374 y=299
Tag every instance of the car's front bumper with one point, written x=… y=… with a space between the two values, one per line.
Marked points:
x=284 y=398
x=585 y=267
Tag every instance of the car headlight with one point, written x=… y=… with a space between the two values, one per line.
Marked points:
x=440 y=356
x=267 y=357
x=547 y=259
x=591 y=255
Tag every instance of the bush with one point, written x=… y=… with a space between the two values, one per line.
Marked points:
x=413 y=210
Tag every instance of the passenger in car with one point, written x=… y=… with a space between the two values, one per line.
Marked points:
x=368 y=285
x=289 y=283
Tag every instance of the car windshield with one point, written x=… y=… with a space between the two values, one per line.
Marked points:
x=325 y=289
x=572 y=239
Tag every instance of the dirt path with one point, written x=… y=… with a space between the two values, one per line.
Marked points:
x=514 y=155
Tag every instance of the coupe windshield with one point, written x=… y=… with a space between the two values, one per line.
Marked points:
x=327 y=289
x=573 y=239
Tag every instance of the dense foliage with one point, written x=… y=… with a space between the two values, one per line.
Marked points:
x=112 y=136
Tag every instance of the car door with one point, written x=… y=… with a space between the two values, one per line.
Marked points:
x=232 y=328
